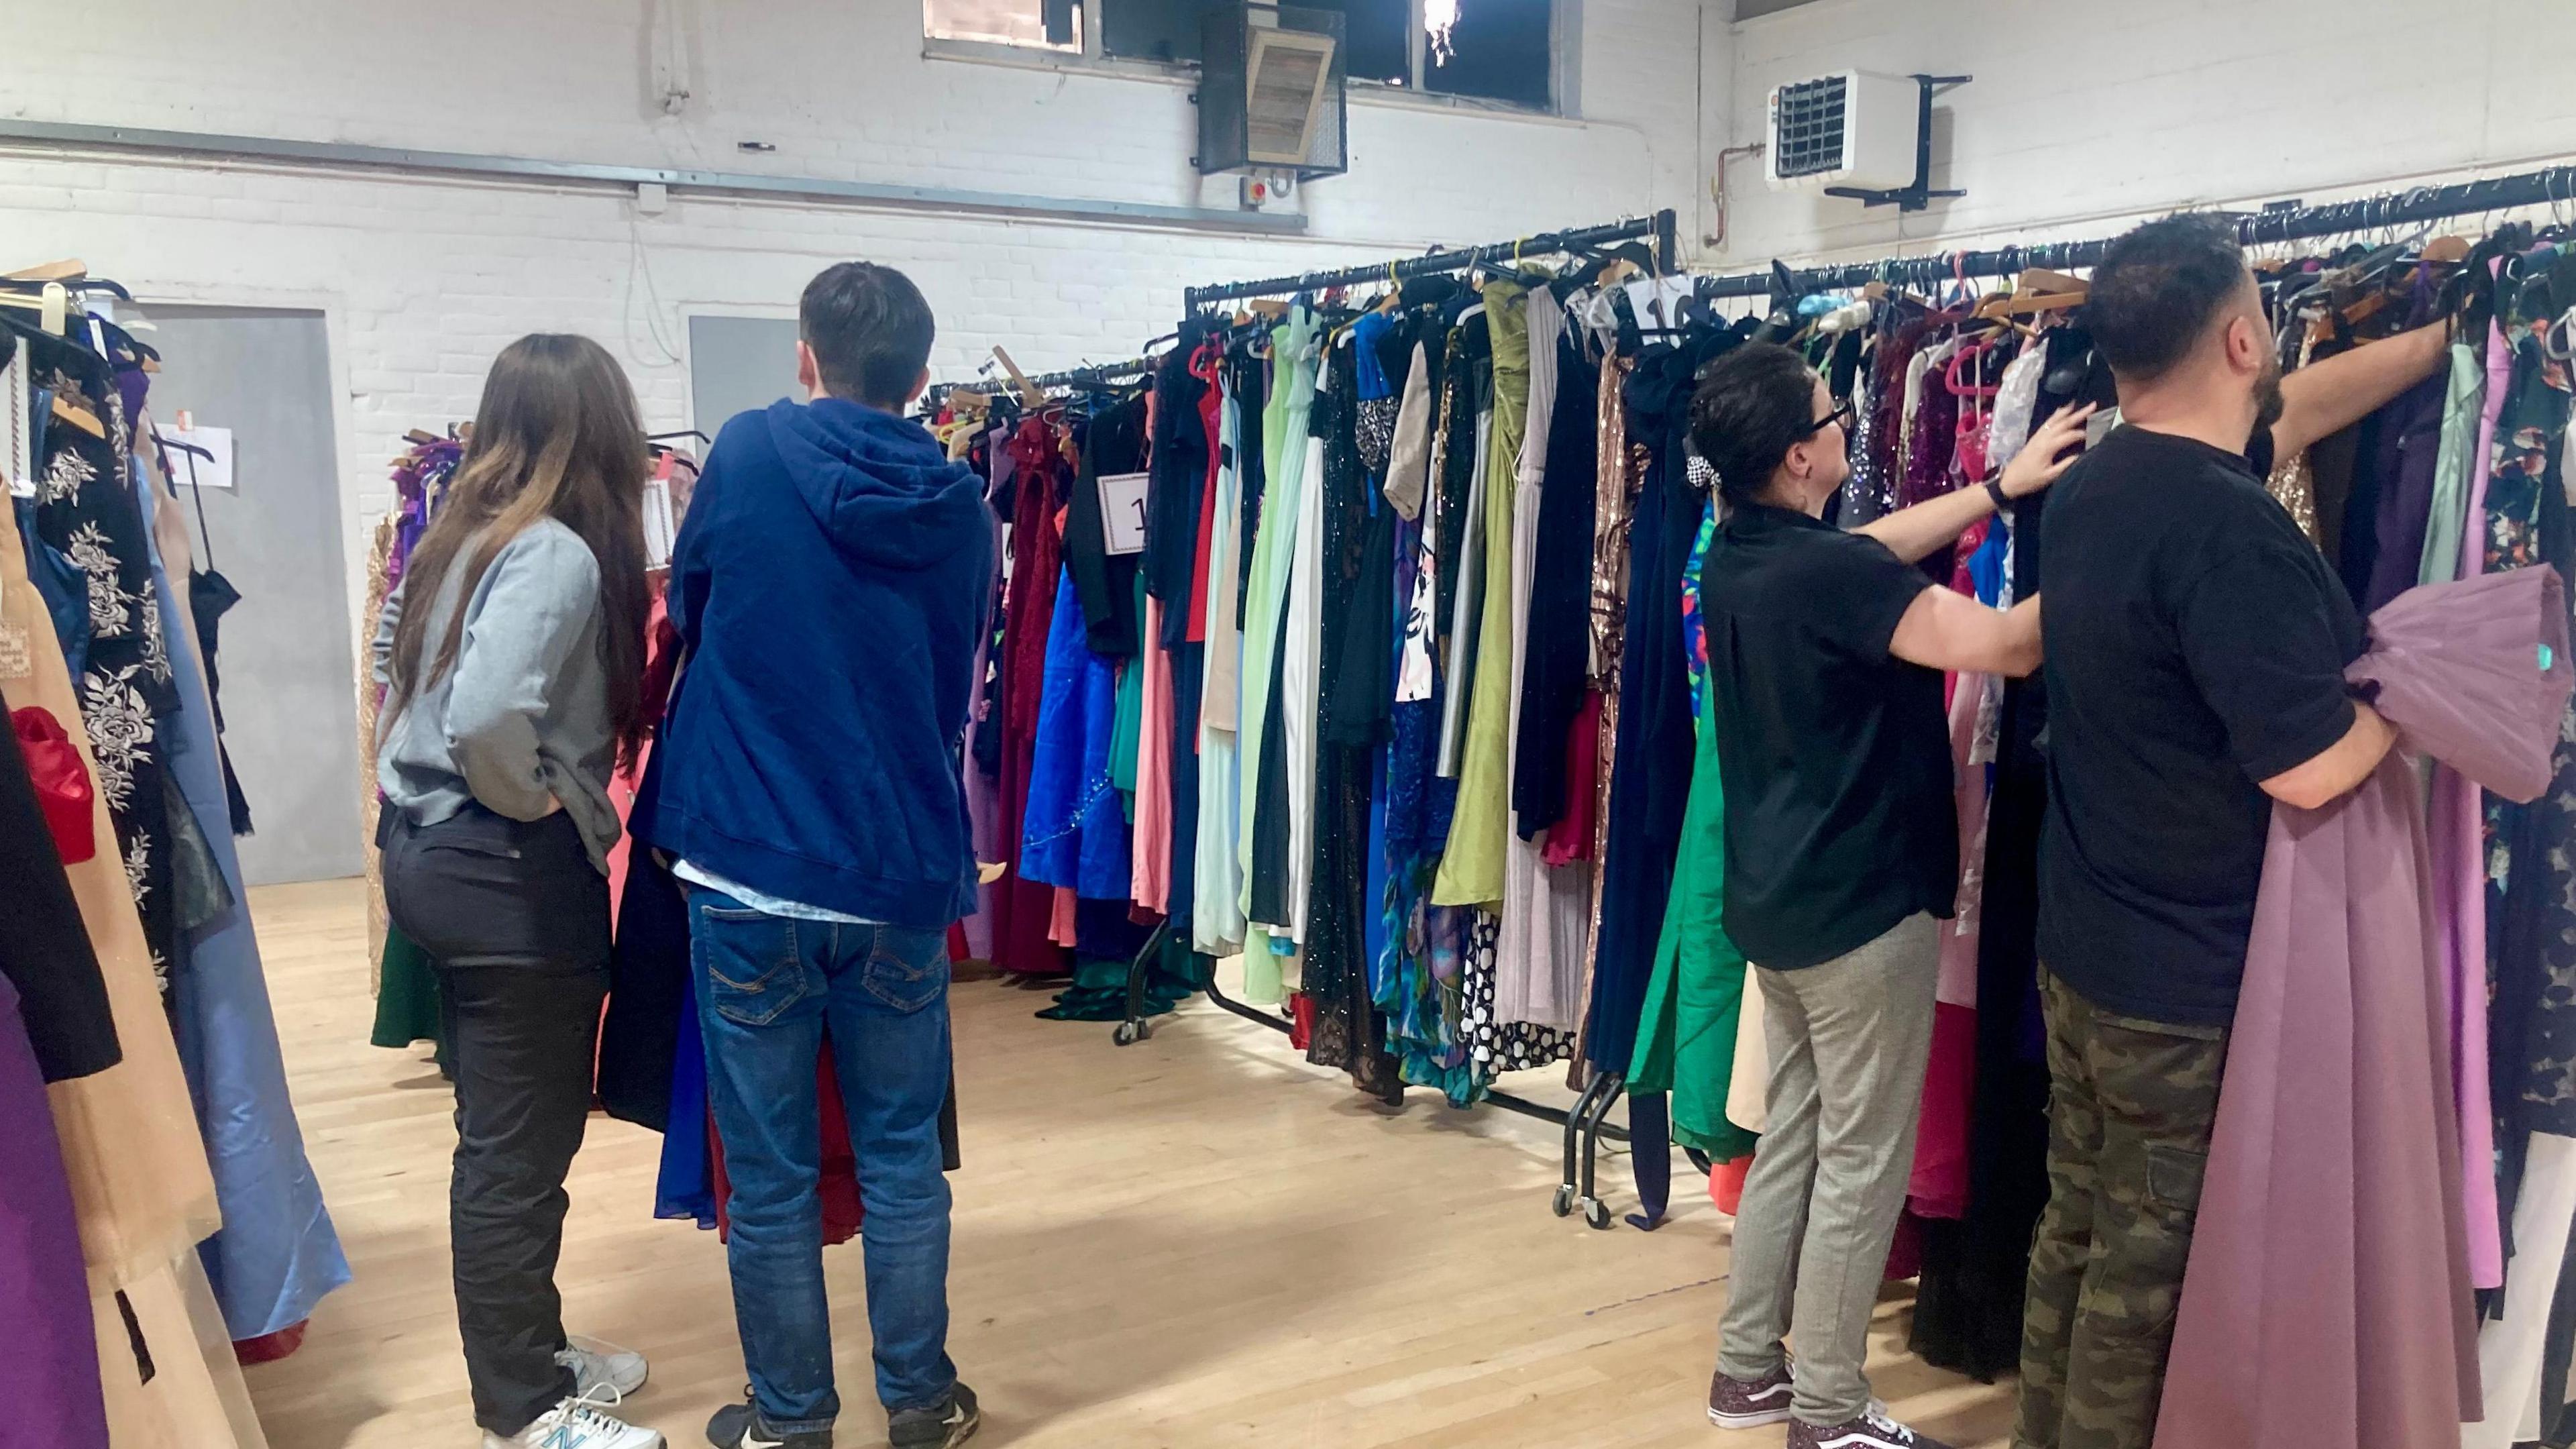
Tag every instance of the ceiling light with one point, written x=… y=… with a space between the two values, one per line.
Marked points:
x=1439 y=20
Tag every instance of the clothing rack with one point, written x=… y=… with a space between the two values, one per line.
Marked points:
x=1584 y=1123
x=1086 y=376
x=2276 y=222
x=1658 y=228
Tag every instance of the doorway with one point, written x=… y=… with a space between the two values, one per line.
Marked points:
x=286 y=657
x=737 y=364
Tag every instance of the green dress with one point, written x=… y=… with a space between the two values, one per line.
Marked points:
x=1284 y=430
x=1471 y=870
x=1127 y=727
x=2462 y=410
x=407 y=997
x=1686 y=1037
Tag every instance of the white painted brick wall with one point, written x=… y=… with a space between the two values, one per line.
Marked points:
x=2087 y=112
x=424 y=279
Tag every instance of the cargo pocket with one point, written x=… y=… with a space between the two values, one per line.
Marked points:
x=2174 y=1176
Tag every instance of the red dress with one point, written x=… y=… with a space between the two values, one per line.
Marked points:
x=1024 y=909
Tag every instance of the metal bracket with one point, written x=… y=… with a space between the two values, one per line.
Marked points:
x=1920 y=195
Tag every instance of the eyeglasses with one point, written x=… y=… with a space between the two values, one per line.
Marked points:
x=1844 y=413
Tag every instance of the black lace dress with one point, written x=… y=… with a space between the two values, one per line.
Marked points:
x=1346 y=1030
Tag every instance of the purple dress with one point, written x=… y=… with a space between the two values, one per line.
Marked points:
x=2329 y=1280
x=49 y=1376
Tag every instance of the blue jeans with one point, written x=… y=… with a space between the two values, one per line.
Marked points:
x=769 y=990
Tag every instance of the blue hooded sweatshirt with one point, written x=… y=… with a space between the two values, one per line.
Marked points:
x=830 y=582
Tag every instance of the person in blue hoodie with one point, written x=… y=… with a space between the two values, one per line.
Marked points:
x=830 y=586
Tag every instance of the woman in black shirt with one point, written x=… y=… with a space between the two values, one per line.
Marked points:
x=1825 y=655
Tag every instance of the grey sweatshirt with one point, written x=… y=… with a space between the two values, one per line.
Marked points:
x=521 y=719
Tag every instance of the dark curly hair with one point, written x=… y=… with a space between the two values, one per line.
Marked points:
x=2157 y=290
x=1753 y=405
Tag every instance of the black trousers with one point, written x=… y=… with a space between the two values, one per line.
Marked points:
x=516 y=918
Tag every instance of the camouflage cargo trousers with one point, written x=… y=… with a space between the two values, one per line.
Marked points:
x=2131 y=1104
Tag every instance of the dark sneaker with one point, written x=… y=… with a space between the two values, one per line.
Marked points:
x=1735 y=1403
x=1873 y=1430
x=738 y=1426
x=949 y=1425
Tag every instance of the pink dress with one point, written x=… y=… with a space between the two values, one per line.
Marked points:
x=1939 y=1185
x=1151 y=874
x=2328 y=1287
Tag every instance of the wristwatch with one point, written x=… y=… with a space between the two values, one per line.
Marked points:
x=1995 y=491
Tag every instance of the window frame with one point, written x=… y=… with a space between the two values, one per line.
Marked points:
x=1564 y=64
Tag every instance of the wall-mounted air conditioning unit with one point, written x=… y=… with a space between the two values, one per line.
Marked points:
x=1857 y=134
x=1270 y=94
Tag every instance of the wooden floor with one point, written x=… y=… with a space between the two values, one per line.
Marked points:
x=1190 y=1243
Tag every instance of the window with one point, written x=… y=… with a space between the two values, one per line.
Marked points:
x=1043 y=24
x=1497 y=50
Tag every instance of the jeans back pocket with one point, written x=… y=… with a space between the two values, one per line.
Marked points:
x=906 y=969
x=751 y=967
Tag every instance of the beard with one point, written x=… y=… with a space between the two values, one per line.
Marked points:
x=2268 y=401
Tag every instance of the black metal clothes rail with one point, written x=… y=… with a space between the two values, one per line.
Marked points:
x=2277 y=222
x=1659 y=229
x=1584 y=1124
x=1089 y=375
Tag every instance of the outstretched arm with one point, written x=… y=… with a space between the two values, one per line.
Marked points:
x=1947 y=630
x=2324 y=398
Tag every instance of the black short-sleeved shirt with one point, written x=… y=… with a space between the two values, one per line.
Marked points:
x=1833 y=753
x=2196 y=644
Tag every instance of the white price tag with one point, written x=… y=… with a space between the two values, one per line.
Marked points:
x=210 y=466
x=1122 y=511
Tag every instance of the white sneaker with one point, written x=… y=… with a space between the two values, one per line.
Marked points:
x=577 y=1423
x=596 y=1364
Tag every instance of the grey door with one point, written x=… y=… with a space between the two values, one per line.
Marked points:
x=736 y=364
x=287 y=671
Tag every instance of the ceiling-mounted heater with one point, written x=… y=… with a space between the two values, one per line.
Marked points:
x=1270 y=92
x=1857 y=134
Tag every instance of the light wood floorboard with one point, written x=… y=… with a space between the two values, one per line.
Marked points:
x=1194 y=1243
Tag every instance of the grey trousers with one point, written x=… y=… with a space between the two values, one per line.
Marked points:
x=1849 y=1042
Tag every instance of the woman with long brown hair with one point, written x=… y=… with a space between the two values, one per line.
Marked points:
x=512 y=656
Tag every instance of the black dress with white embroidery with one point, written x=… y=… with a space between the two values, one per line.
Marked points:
x=86 y=509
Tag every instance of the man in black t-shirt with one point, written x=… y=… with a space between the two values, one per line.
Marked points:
x=2196 y=643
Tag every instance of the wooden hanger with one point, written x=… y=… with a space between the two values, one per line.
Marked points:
x=79 y=417
x=69 y=269
x=1394 y=298
x=2365 y=309
x=1029 y=396
x=2037 y=290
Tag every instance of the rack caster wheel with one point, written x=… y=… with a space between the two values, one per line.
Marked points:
x=1596 y=1215
x=1128 y=1033
x=1563 y=1206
